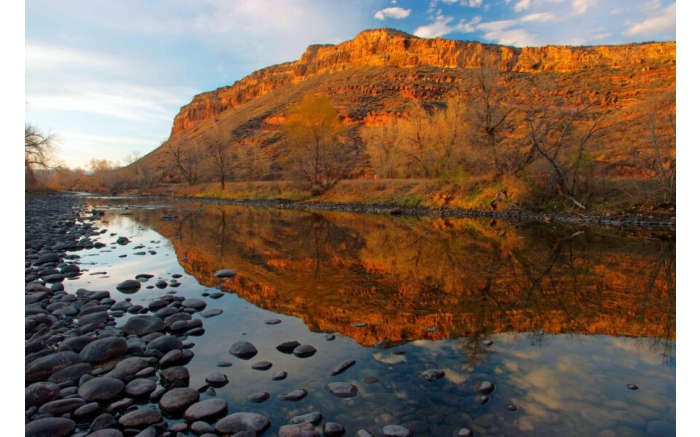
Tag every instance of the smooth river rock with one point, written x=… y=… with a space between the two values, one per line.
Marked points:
x=243 y=421
x=129 y=286
x=49 y=427
x=396 y=431
x=432 y=374
x=243 y=350
x=304 y=350
x=178 y=399
x=104 y=349
x=102 y=388
x=206 y=409
x=139 y=387
x=140 y=418
x=143 y=324
x=342 y=389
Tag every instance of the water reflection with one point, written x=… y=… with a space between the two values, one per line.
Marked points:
x=446 y=278
x=573 y=315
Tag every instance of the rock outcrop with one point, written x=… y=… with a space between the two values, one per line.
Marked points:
x=392 y=48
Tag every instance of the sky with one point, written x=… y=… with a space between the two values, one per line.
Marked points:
x=107 y=78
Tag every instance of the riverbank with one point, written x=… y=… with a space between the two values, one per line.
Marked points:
x=507 y=199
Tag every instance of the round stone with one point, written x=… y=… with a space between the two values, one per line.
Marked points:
x=200 y=427
x=304 y=350
x=243 y=350
x=60 y=406
x=128 y=367
x=104 y=349
x=293 y=395
x=217 y=379
x=70 y=373
x=140 y=418
x=42 y=367
x=333 y=429
x=206 y=409
x=259 y=397
x=129 y=286
x=143 y=324
x=211 y=313
x=175 y=377
x=313 y=418
x=288 y=346
x=298 y=430
x=197 y=304
x=49 y=427
x=342 y=389
x=107 y=432
x=236 y=422
x=102 y=388
x=165 y=343
x=39 y=393
x=432 y=374
x=484 y=387
x=178 y=399
x=279 y=375
x=139 y=387
x=396 y=431
x=342 y=367
x=262 y=365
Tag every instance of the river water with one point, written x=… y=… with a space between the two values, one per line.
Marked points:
x=559 y=319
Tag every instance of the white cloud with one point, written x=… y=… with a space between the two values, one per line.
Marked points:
x=512 y=37
x=439 y=27
x=40 y=56
x=467 y=26
x=63 y=79
x=540 y=17
x=522 y=5
x=495 y=26
x=654 y=25
x=475 y=3
x=581 y=6
x=393 y=12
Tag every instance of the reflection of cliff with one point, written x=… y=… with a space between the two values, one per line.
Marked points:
x=401 y=277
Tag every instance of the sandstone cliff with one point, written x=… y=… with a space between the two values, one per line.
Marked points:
x=391 y=48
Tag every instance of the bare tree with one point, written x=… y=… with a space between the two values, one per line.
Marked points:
x=37 y=153
x=381 y=143
x=222 y=160
x=560 y=136
x=186 y=162
x=491 y=117
x=254 y=163
x=665 y=168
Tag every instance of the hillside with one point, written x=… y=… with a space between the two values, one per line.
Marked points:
x=375 y=76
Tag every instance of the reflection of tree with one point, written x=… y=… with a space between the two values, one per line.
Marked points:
x=466 y=278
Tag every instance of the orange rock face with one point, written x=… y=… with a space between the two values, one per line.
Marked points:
x=391 y=48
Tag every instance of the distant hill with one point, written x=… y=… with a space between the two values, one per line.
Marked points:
x=375 y=75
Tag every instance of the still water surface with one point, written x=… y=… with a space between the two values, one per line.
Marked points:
x=574 y=315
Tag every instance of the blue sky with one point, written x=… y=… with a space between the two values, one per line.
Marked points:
x=108 y=77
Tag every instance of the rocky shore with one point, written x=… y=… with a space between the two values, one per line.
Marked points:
x=620 y=220
x=100 y=367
